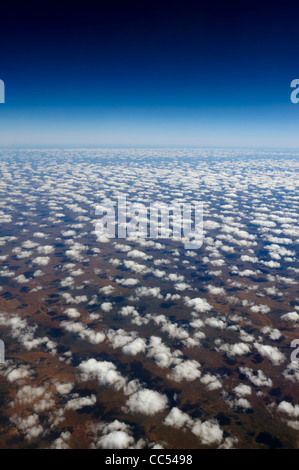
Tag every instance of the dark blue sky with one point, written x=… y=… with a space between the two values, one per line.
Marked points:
x=113 y=72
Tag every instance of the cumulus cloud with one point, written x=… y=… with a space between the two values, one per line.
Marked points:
x=209 y=432
x=215 y=290
x=162 y=354
x=41 y=260
x=290 y=316
x=64 y=388
x=177 y=419
x=237 y=349
x=72 y=312
x=106 y=306
x=115 y=440
x=62 y=442
x=242 y=390
x=30 y=426
x=21 y=279
x=270 y=352
x=115 y=435
x=28 y=394
x=289 y=409
x=256 y=377
x=18 y=373
x=273 y=333
x=234 y=252
x=149 y=291
x=291 y=373
x=104 y=371
x=211 y=382
x=46 y=249
x=216 y=323
x=138 y=254
x=129 y=282
x=94 y=337
x=199 y=305
x=134 y=347
x=24 y=333
x=264 y=309
x=106 y=290
x=186 y=370
x=147 y=402
x=129 y=342
x=80 y=402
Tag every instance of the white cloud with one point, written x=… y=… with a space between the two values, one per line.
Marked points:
x=147 y=402
x=115 y=440
x=46 y=249
x=64 y=388
x=177 y=419
x=270 y=352
x=257 y=377
x=72 y=312
x=199 y=305
x=289 y=409
x=105 y=372
x=211 y=382
x=237 y=349
x=138 y=254
x=242 y=390
x=79 y=402
x=186 y=370
x=106 y=290
x=129 y=282
x=290 y=316
x=62 y=441
x=106 y=306
x=41 y=260
x=209 y=432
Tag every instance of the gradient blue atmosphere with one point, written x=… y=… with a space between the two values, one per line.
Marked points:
x=123 y=73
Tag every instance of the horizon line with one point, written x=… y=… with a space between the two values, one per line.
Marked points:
x=144 y=146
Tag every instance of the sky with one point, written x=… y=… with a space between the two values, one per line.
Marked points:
x=148 y=73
